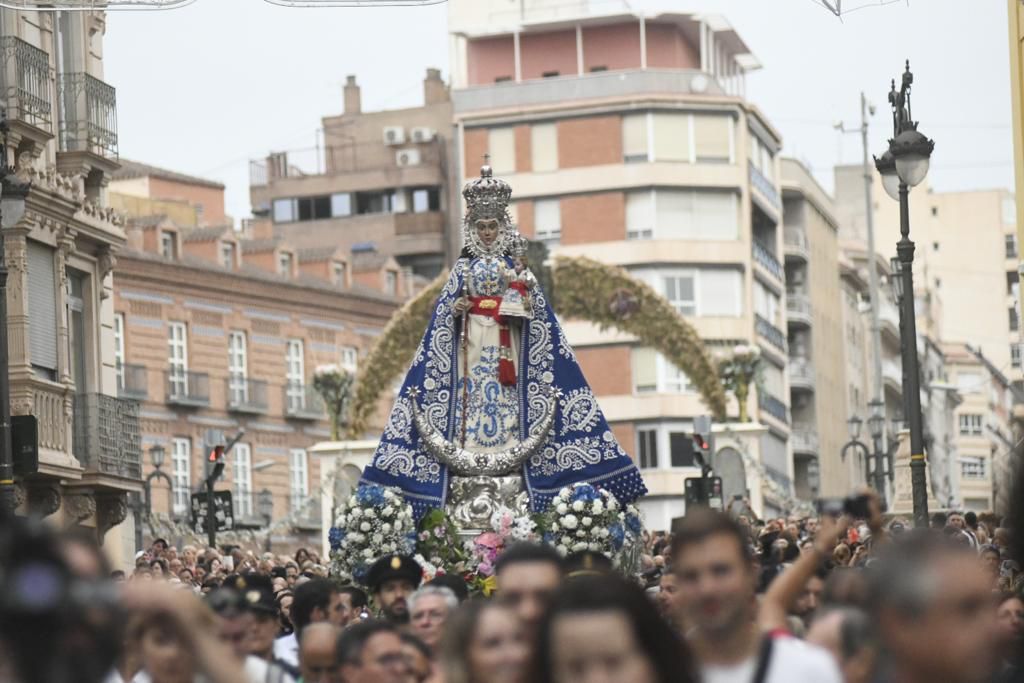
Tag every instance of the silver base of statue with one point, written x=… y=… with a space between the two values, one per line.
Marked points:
x=473 y=500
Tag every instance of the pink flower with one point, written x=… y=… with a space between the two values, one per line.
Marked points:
x=485 y=568
x=489 y=539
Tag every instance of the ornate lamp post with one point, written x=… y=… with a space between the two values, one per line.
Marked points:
x=904 y=165
x=853 y=426
x=156 y=456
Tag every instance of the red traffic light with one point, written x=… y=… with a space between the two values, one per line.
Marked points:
x=217 y=454
x=700 y=442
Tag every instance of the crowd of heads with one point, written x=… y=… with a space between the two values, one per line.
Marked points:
x=843 y=598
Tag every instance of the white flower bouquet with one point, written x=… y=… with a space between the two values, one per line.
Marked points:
x=374 y=522
x=583 y=517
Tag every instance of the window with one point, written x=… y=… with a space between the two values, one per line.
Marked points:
x=1014 y=321
x=682 y=214
x=284 y=263
x=972 y=467
x=1012 y=283
x=672 y=379
x=501 y=145
x=340 y=273
x=970 y=424
x=374 y=202
x=167 y=244
x=680 y=447
x=181 y=474
x=298 y=467
x=647 y=448
x=426 y=199
x=766 y=303
x=284 y=211
x=719 y=292
x=177 y=359
x=635 y=138
x=1015 y=355
x=502 y=79
x=761 y=157
x=1011 y=246
x=227 y=254
x=243 y=480
x=544 y=147
x=596 y=69
x=652 y=373
x=295 y=375
x=549 y=74
x=42 y=304
x=671 y=136
x=1010 y=211
x=680 y=290
x=547 y=216
x=341 y=205
x=349 y=359
x=238 y=388
x=119 y=349
x=640 y=215
x=712 y=136
x=968 y=382
x=390 y=282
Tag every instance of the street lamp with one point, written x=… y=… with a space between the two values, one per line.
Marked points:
x=896 y=279
x=265 y=505
x=910 y=153
x=156 y=456
x=853 y=426
x=886 y=166
x=13 y=193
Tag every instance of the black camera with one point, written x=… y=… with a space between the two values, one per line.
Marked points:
x=857 y=507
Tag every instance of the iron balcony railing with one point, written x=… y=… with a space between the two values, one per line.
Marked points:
x=766 y=258
x=246 y=395
x=131 y=381
x=774 y=335
x=804 y=439
x=89 y=122
x=25 y=82
x=801 y=373
x=798 y=308
x=773 y=406
x=795 y=242
x=766 y=187
x=106 y=435
x=185 y=388
x=302 y=401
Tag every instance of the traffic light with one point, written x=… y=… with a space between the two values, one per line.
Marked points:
x=703 y=443
x=216 y=463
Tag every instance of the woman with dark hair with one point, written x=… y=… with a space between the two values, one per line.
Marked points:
x=605 y=627
x=483 y=642
x=302 y=556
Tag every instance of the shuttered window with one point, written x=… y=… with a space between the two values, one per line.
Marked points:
x=502 y=148
x=671 y=137
x=640 y=215
x=712 y=138
x=716 y=216
x=720 y=292
x=544 y=147
x=645 y=370
x=634 y=137
x=42 y=307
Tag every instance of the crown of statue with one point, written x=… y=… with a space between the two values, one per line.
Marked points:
x=486 y=197
x=518 y=246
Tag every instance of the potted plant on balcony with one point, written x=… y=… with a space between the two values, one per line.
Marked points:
x=334 y=384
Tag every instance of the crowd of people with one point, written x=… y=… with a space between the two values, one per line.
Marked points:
x=724 y=598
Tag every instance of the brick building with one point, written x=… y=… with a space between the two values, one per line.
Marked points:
x=626 y=138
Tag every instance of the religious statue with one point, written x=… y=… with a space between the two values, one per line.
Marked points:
x=494 y=410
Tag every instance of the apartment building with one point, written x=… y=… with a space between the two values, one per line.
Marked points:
x=60 y=255
x=818 y=393
x=215 y=331
x=380 y=182
x=138 y=189
x=626 y=139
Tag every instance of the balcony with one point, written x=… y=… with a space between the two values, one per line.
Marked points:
x=131 y=382
x=765 y=187
x=303 y=402
x=888 y=317
x=766 y=259
x=892 y=374
x=25 y=80
x=772 y=334
x=795 y=244
x=801 y=374
x=804 y=439
x=106 y=437
x=772 y=406
x=779 y=477
x=798 y=309
x=246 y=395
x=188 y=389
x=424 y=223
x=306 y=512
x=90 y=115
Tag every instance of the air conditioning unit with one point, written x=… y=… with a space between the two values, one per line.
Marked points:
x=423 y=134
x=407 y=157
x=394 y=135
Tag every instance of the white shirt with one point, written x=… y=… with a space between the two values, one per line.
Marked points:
x=792 y=660
x=286 y=648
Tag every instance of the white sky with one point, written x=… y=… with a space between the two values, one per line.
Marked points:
x=205 y=88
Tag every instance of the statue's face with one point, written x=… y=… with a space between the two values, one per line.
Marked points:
x=487 y=230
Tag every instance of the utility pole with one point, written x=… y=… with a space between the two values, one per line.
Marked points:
x=869 y=218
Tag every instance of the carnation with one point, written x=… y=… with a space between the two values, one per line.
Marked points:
x=570 y=522
x=587 y=521
x=377 y=539
x=369 y=513
x=355 y=512
x=597 y=506
x=581 y=533
x=385 y=528
x=388 y=511
x=578 y=505
x=367 y=553
x=579 y=547
x=562 y=508
x=365 y=526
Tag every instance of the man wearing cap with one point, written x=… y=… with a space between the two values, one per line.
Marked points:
x=264 y=624
x=391 y=580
